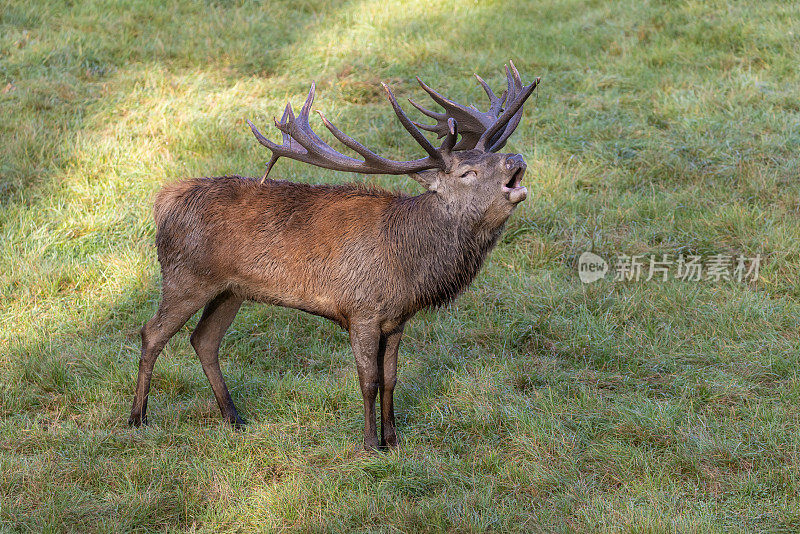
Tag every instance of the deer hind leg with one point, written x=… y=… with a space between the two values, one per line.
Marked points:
x=206 y=338
x=173 y=312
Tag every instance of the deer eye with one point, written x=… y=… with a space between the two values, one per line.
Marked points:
x=469 y=175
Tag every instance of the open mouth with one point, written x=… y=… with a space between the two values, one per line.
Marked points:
x=514 y=189
x=516 y=179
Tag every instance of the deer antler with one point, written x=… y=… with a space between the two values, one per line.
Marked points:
x=301 y=143
x=487 y=131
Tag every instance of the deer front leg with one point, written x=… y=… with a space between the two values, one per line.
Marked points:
x=365 y=338
x=387 y=361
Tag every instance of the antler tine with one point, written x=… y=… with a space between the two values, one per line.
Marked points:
x=515 y=73
x=509 y=129
x=515 y=80
x=495 y=104
x=434 y=128
x=301 y=143
x=472 y=122
x=261 y=139
x=439 y=99
x=468 y=117
x=508 y=121
x=429 y=113
x=440 y=118
x=298 y=129
x=369 y=155
x=308 y=139
x=511 y=81
x=409 y=126
x=452 y=135
x=287 y=114
x=306 y=109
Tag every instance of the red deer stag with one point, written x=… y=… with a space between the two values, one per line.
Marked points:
x=365 y=258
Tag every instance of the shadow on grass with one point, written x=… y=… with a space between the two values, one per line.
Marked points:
x=50 y=90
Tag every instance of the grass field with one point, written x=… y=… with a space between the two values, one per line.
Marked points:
x=535 y=402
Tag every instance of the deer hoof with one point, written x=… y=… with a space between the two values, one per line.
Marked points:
x=137 y=421
x=237 y=422
x=390 y=443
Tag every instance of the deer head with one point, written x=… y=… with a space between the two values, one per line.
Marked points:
x=466 y=173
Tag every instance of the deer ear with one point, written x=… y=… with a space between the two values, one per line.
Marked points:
x=428 y=179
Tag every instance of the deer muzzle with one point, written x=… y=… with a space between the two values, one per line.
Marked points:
x=513 y=188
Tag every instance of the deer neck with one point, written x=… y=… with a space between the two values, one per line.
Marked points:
x=436 y=251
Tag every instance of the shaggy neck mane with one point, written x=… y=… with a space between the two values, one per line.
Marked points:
x=435 y=252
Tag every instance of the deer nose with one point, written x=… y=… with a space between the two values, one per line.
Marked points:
x=515 y=161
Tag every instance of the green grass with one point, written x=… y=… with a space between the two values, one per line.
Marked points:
x=534 y=403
